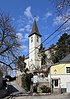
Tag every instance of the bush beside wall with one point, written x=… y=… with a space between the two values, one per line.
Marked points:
x=45 y=89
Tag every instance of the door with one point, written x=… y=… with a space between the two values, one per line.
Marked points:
x=55 y=86
x=68 y=87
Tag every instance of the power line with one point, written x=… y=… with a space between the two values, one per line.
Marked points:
x=56 y=30
x=52 y=39
x=51 y=34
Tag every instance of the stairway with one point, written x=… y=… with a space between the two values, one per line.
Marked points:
x=14 y=87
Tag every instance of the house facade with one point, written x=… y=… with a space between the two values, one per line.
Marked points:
x=60 y=76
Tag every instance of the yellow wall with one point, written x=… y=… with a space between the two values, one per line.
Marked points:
x=59 y=69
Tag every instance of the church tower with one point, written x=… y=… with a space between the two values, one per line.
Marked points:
x=34 y=42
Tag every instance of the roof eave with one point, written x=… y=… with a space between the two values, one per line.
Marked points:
x=35 y=33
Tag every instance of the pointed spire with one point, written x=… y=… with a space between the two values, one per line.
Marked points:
x=35 y=29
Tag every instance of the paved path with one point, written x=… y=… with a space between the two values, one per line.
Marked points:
x=61 y=96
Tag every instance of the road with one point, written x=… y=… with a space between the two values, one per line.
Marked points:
x=61 y=96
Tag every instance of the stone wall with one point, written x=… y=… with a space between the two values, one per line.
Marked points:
x=19 y=81
x=56 y=90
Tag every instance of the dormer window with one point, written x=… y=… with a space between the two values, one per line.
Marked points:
x=37 y=38
x=31 y=39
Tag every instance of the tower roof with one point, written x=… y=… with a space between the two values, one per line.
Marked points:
x=34 y=29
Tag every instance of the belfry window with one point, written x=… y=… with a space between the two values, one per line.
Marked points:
x=31 y=39
x=37 y=39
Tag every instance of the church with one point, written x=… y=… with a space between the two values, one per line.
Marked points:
x=33 y=61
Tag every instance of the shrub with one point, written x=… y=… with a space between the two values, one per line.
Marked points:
x=35 y=87
x=45 y=89
x=26 y=81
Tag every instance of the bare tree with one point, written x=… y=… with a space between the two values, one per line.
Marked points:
x=63 y=13
x=61 y=5
x=8 y=41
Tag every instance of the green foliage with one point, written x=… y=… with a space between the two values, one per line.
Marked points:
x=34 y=88
x=21 y=64
x=42 y=54
x=26 y=81
x=62 y=48
x=23 y=81
x=45 y=89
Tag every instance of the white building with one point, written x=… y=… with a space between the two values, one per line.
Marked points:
x=60 y=76
x=33 y=60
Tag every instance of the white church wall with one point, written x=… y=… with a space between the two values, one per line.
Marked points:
x=48 y=56
x=34 y=60
x=34 y=42
x=27 y=62
x=47 y=52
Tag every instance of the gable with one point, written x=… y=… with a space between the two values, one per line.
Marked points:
x=59 y=69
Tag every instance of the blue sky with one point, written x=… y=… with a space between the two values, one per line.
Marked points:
x=23 y=12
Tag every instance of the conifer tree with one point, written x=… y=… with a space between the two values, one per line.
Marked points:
x=62 y=48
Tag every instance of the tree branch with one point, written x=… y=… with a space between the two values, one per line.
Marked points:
x=6 y=64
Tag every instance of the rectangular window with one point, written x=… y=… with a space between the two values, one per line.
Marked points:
x=31 y=39
x=56 y=83
x=67 y=69
x=37 y=39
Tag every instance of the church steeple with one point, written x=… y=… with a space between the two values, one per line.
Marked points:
x=35 y=29
x=34 y=42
